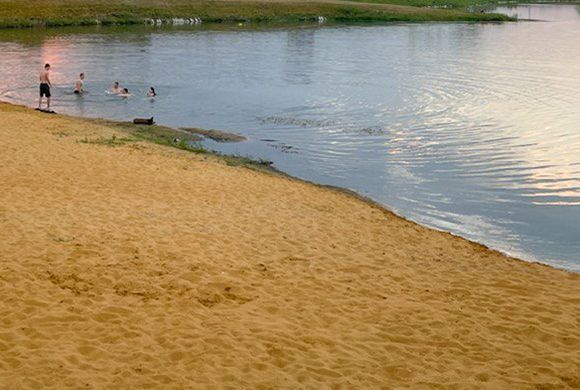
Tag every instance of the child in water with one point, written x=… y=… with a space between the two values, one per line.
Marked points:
x=151 y=92
x=125 y=93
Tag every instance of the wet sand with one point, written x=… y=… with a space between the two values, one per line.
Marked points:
x=133 y=265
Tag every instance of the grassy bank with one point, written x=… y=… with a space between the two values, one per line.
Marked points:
x=454 y=4
x=20 y=13
x=184 y=139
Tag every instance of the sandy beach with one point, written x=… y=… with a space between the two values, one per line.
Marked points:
x=135 y=265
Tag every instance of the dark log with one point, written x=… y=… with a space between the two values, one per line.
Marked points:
x=143 y=121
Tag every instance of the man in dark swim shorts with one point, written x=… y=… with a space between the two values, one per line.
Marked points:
x=45 y=87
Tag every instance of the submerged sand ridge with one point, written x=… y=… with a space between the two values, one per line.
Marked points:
x=141 y=266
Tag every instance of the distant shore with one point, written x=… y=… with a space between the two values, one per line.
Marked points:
x=129 y=264
x=20 y=13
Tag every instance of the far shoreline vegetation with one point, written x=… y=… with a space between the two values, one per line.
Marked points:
x=55 y=13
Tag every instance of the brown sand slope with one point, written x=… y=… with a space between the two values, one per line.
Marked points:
x=139 y=266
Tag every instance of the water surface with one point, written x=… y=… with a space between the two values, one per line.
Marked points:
x=469 y=128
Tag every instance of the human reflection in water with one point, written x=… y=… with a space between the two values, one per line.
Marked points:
x=299 y=62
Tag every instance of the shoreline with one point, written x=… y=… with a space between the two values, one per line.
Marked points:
x=164 y=135
x=128 y=264
x=177 y=12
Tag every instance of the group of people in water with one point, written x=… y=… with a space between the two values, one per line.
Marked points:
x=124 y=92
x=46 y=85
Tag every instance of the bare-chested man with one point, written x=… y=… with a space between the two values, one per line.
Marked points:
x=45 y=87
x=116 y=88
x=79 y=85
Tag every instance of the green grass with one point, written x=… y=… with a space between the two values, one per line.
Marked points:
x=113 y=141
x=459 y=4
x=162 y=135
x=28 y=13
x=175 y=138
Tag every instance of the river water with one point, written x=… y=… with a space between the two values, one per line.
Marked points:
x=468 y=128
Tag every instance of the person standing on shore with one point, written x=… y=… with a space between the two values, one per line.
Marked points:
x=79 y=85
x=45 y=86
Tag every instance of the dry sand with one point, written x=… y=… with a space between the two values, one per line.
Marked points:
x=141 y=266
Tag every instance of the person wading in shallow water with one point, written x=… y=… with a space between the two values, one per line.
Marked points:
x=45 y=87
x=79 y=85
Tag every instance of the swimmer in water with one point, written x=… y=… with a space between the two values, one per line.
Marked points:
x=116 y=88
x=79 y=85
x=151 y=92
x=125 y=93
